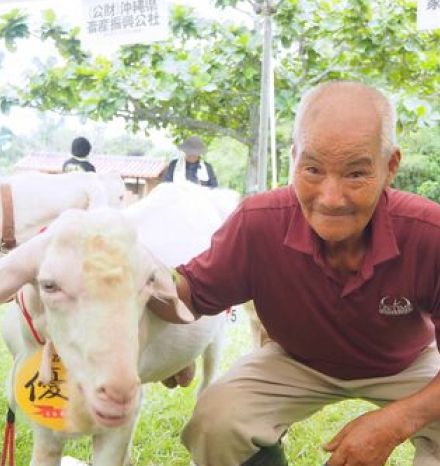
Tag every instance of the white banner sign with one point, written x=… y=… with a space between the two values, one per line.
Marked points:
x=120 y=22
x=428 y=14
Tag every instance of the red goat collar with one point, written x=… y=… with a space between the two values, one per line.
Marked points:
x=27 y=316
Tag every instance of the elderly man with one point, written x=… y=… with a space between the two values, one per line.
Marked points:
x=344 y=273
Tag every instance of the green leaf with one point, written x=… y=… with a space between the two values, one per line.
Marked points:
x=49 y=16
x=208 y=73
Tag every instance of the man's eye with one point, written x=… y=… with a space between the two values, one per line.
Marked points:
x=357 y=174
x=49 y=286
x=311 y=170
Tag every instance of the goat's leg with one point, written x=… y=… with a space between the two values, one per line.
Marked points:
x=259 y=334
x=211 y=359
x=112 y=448
x=48 y=447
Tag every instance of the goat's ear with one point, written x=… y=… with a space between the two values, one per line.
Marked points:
x=164 y=300
x=21 y=265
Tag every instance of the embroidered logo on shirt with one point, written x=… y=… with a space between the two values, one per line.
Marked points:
x=395 y=306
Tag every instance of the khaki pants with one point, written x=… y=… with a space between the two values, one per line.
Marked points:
x=267 y=391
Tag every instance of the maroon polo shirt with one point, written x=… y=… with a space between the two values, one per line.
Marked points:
x=374 y=324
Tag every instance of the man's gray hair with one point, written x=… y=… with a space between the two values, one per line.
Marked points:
x=383 y=105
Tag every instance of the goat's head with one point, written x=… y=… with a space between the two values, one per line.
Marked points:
x=94 y=279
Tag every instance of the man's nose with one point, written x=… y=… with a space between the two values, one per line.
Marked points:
x=332 y=193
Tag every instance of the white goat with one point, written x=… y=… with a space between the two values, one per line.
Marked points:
x=89 y=279
x=38 y=198
x=176 y=222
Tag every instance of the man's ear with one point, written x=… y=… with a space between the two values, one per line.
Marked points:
x=292 y=151
x=292 y=161
x=393 y=165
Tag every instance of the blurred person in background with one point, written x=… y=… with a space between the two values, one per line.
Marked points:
x=190 y=165
x=79 y=161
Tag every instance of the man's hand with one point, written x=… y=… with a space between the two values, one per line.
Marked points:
x=369 y=439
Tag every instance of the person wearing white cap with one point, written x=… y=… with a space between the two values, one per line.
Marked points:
x=190 y=166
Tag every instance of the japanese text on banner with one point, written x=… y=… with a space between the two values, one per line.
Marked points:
x=126 y=21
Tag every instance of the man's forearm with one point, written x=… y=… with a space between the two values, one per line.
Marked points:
x=421 y=408
x=379 y=431
x=184 y=293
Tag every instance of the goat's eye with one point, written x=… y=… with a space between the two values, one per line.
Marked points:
x=151 y=278
x=49 y=286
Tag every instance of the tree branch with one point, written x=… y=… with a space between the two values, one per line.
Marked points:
x=252 y=4
x=244 y=12
x=323 y=74
x=165 y=117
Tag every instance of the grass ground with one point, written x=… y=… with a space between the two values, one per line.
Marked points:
x=164 y=412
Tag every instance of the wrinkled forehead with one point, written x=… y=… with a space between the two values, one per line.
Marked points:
x=339 y=119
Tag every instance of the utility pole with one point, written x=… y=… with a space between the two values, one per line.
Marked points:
x=266 y=9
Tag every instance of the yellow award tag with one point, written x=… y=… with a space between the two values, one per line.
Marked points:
x=44 y=403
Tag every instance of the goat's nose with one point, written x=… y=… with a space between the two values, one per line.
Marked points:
x=119 y=391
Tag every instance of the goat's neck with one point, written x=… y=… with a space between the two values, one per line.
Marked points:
x=150 y=328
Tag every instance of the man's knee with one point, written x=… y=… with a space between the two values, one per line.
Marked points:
x=427 y=451
x=213 y=417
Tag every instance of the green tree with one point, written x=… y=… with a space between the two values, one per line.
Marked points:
x=206 y=78
x=420 y=168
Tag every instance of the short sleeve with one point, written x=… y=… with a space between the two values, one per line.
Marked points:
x=219 y=277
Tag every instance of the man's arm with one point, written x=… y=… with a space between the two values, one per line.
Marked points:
x=370 y=439
x=89 y=167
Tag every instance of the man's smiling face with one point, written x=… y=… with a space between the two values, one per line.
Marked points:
x=340 y=168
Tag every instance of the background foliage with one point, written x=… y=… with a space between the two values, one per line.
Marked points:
x=420 y=170
x=206 y=78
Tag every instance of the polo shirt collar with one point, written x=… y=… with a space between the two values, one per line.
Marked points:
x=382 y=246
x=300 y=235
